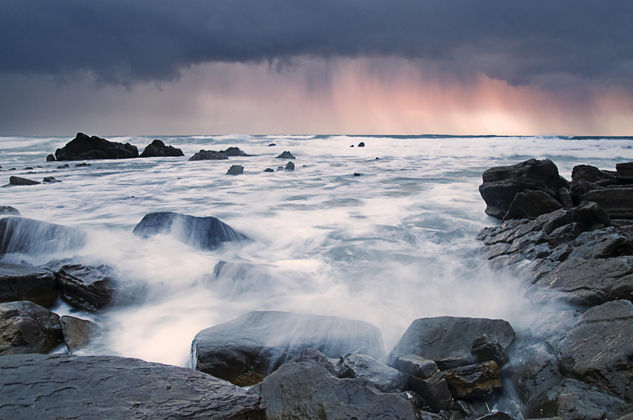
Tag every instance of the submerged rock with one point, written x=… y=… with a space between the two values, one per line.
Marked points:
x=305 y=388
x=84 y=147
x=286 y=155
x=9 y=211
x=26 y=327
x=235 y=170
x=209 y=155
x=269 y=170
x=246 y=349
x=202 y=232
x=448 y=340
x=114 y=387
x=26 y=282
x=28 y=236
x=16 y=180
x=159 y=149
x=50 y=180
x=501 y=185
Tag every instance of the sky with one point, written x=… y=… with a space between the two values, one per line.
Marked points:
x=125 y=67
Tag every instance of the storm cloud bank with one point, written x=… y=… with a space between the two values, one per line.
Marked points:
x=542 y=42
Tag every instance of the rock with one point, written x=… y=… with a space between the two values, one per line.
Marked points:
x=26 y=327
x=246 y=349
x=16 y=180
x=448 y=340
x=624 y=170
x=361 y=144
x=530 y=204
x=487 y=348
x=269 y=170
x=61 y=386
x=501 y=184
x=356 y=174
x=235 y=170
x=383 y=377
x=9 y=211
x=271 y=144
x=77 y=332
x=28 y=236
x=209 y=155
x=158 y=149
x=25 y=282
x=50 y=158
x=616 y=202
x=64 y=166
x=286 y=155
x=83 y=147
x=290 y=166
x=304 y=388
x=82 y=165
x=202 y=232
x=235 y=151
x=577 y=400
x=599 y=349
x=474 y=381
x=50 y=180
x=426 y=380
x=84 y=287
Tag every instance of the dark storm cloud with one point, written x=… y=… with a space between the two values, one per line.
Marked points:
x=122 y=41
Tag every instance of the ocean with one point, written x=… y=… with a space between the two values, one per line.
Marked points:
x=394 y=243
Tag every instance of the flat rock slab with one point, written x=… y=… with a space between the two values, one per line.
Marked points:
x=25 y=282
x=599 y=349
x=28 y=236
x=202 y=232
x=304 y=388
x=60 y=386
x=248 y=348
x=448 y=340
x=26 y=327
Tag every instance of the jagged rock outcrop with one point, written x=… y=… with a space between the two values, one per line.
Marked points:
x=157 y=148
x=84 y=147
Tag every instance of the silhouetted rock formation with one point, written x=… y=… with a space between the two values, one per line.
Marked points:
x=158 y=149
x=83 y=147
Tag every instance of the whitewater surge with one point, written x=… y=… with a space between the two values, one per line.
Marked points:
x=391 y=245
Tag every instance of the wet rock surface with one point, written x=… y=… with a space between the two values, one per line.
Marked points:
x=305 y=388
x=26 y=282
x=85 y=287
x=59 y=386
x=245 y=350
x=28 y=236
x=209 y=155
x=78 y=333
x=157 y=148
x=84 y=147
x=235 y=170
x=202 y=232
x=26 y=327
x=383 y=377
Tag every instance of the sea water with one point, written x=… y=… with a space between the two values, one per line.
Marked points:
x=392 y=244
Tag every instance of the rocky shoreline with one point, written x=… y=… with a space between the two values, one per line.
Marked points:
x=571 y=242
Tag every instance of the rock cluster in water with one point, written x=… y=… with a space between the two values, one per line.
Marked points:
x=579 y=250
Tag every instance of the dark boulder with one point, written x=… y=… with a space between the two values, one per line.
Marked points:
x=25 y=282
x=473 y=382
x=234 y=152
x=26 y=327
x=616 y=202
x=82 y=165
x=9 y=211
x=64 y=166
x=304 y=388
x=50 y=158
x=85 y=287
x=425 y=379
x=202 y=232
x=50 y=180
x=271 y=144
x=487 y=348
x=77 y=332
x=286 y=155
x=209 y=155
x=383 y=377
x=448 y=340
x=290 y=166
x=84 y=147
x=159 y=149
x=529 y=204
x=246 y=349
x=235 y=170
x=599 y=349
x=269 y=170
x=361 y=144
x=60 y=386
x=501 y=184
x=16 y=180
x=28 y=236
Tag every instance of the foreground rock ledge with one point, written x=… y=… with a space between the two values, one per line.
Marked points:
x=59 y=386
